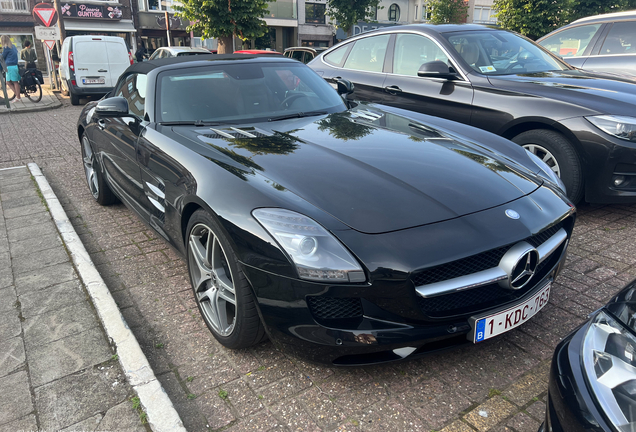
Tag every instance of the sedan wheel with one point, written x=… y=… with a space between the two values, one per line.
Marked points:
x=99 y=189
x=560 y=155
x=545 y=155
x=222 y=293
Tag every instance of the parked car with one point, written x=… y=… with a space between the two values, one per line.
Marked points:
x=349 y=235
x=257 y=51
x=303 y=54
x=581 y=124
x=601 y=43
x=593 y=374
x=169 y=52
x=91 y=65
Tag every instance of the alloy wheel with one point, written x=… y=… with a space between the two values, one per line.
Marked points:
x=545 y=155
x=89 y=169
x=212 y=279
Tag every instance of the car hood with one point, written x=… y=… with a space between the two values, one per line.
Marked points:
x=596 y=92
x=372 y=170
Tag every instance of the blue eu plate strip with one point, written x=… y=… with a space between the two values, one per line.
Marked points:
x=480 y=330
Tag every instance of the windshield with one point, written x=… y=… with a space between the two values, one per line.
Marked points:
x=496 y=52
x=242 y=91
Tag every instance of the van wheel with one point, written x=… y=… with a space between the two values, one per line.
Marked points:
x=560 y=155
x=74 y=98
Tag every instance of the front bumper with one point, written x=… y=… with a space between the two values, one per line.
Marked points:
x=386 y=319
x=603 y=158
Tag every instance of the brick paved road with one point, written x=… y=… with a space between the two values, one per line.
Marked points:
x=264 y=389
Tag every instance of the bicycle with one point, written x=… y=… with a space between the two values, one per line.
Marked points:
x=29 y=87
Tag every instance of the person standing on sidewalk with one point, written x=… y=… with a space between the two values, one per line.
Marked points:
x=28 y=55
x=10 y=55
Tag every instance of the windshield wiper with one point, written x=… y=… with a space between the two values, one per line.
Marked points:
x=192 y=123
x=297 y=115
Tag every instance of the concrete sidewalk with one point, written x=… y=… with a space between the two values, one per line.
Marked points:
x=49 y=101
x=57 y=369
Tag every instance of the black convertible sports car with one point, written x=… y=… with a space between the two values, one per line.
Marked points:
x=351 y=234
x=593 y=375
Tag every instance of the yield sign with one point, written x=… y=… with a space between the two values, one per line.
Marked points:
x=49 y=44
x=45 y=13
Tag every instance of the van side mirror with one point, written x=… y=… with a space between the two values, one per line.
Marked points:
x=345 y=87
x=437 y=69
x=112 y=107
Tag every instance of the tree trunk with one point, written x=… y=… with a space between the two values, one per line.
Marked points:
x=225 y=45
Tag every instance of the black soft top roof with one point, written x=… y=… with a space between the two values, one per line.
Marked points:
x=147 y=66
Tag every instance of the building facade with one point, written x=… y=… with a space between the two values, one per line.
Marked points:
x=16 y=21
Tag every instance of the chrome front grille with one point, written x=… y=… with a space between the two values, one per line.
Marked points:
x=477 y=282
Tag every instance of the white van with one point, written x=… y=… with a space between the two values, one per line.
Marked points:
x=91 y=65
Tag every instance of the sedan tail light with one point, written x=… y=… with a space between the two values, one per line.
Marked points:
x=130 y=57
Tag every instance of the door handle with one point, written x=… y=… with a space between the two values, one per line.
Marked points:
x=393 y=89
x=101 y=123
x=102 y=70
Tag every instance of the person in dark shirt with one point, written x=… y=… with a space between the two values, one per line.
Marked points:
x=28 y=55
x=140 y=53
x=10 y=55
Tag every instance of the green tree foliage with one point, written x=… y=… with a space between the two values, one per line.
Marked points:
x=535 y=18
x=448 y=11
x=224 y=19
x=532 y=18
x=348 y=12
x=584 y=8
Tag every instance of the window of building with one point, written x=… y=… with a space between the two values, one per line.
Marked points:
x=157 y=5
x=315 y=13
x=14 y=6
x=19 y=39
x=375 y=13
x=484 y=14
x=394 y=12
x=427 y=11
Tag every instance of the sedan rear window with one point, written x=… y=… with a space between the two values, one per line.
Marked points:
x=236 y=92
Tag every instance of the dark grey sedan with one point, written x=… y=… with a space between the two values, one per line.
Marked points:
x=601 y=43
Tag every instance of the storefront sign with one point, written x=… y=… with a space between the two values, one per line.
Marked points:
x=155 y=21
x=44 y=13
x=91 y=11
x=361 y=27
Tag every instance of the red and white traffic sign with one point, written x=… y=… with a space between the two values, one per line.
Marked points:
x=45 y=13
x=49 y=44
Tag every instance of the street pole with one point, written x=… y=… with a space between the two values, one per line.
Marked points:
x=167 y=27
x=60 y=24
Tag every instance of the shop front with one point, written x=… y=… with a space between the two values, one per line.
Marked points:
x=153 y=32
x=105 y=18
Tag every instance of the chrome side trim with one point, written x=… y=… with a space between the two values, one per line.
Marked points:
x=157 y=204
x=242 y=132
x=155 y=190
x=550 y=245
x=486 y=277
x=220 y=132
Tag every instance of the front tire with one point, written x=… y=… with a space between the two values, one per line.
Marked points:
x=221 y=291
x=560 y=155
x=99 y=189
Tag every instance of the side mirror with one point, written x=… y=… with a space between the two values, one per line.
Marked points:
x=112 y=107
x=345 y=87
x=436 y=69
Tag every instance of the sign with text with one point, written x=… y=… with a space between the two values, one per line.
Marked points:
x=47 y=33
x=361 y=27
x=80 y=10
x=45 y=14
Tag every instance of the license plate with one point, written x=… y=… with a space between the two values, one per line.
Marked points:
x=496 y=324
x=93 y=81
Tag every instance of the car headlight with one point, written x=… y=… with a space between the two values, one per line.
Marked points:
x=317 y=255
x=622 y=127
x=609 y=359
x=546 y=172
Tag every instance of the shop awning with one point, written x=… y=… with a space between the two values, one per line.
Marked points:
x=123 y=26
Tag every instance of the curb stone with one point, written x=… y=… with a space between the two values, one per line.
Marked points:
x=162 y=416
